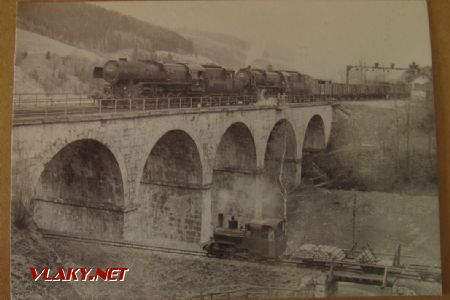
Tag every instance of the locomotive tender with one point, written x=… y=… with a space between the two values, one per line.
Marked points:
x=149 y=78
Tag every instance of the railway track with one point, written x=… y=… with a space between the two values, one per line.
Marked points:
x=121 y=244
x=57 y=106
x=355 y=269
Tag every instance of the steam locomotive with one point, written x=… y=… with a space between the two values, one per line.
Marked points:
x=149 y=78
x=259 y=238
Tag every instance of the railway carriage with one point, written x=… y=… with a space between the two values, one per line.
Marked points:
x=325 y=89
x=339 y=90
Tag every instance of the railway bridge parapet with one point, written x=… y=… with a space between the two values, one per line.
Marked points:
x=161 y=174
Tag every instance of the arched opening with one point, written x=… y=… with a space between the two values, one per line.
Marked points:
x=315 y=135
x=314 y=142
x=236 y=150
x=81 y=191
x=281 y=148
x=234 y=176
x=174 y=160
x=280 y=159
x=170 y=190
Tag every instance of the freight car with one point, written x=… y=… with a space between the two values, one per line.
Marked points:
x=259 y=238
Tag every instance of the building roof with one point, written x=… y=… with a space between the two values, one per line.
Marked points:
x=421 y=79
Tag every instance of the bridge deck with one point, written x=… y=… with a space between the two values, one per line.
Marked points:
x=62 y=108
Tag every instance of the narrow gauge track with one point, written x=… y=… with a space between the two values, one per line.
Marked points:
x=121 y=244
x=416 y=272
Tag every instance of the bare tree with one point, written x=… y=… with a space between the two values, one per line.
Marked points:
x=284 y=190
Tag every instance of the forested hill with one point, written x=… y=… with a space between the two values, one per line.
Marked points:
x=91 y=27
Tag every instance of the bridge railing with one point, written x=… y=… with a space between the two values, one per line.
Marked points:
x=56 y=105
x=26 y=100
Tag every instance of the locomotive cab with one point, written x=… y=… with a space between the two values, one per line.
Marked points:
x=266 y=238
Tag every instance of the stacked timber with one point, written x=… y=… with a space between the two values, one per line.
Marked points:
x=318 y=253
x=367 y=256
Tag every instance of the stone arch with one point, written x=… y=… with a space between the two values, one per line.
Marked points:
x=314 y=139
x=81 y=190
x=236 y=150
x=174 y=160
x=47 y=153
x=282 y=141
x=170 y=191
x=234 y=175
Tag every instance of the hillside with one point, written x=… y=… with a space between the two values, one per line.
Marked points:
x=57 y=54
x=91 y=27
x=43 y=64
x=386 y=146
x=223 y=49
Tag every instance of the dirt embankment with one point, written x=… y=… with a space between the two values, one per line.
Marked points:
x=151 y=275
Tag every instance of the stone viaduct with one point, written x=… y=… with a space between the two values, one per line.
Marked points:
x=162 y=174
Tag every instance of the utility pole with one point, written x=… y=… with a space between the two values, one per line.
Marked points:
x=354 y=221
x=347 y=73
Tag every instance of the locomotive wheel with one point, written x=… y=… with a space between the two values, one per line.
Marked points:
x=230 y=251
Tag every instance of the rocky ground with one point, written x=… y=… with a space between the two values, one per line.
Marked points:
x=151 y=276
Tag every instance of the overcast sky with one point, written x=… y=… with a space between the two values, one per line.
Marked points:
x=318 y=36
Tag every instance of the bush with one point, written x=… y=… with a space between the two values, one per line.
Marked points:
x=19 y=215
x=21 y=57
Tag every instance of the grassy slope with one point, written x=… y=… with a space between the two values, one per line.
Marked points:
x=383 y=220
x=68 y=68
x=375 y=148
x=64 y=69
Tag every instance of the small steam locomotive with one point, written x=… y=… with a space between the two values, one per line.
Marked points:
x=149 y=78
x=259 y=238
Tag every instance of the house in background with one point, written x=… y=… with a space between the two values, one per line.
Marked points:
x=422 y=88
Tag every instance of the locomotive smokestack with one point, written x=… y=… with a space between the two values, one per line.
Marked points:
x=220 y=220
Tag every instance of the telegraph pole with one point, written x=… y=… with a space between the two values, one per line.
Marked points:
x=354 y=221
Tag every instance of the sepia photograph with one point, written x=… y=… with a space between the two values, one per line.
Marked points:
x=224 y=150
